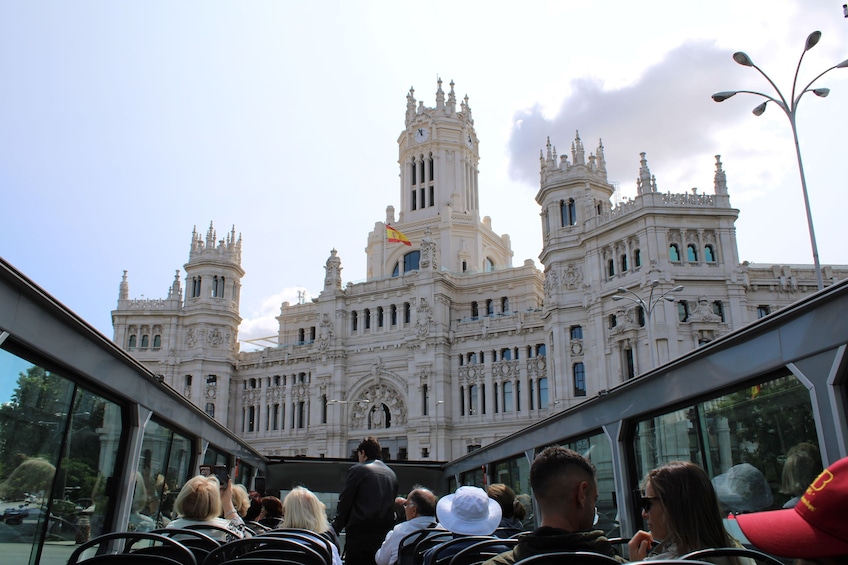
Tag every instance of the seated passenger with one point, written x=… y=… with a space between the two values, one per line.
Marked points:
x=467 y=512
x=566 y=490
x=202 y=501
x=815 y=530
x=802 y=466
x=420 y=510
x=271 y=513
x=512 y=511
x=682 y=512
x=303 y=510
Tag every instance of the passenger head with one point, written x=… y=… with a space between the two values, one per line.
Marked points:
x=505 y=496
x=803 y=464
x=469 y=511
x=199 y=499
x=565 y=487
x=302 y=509
x=370 y=447
x=272 y=506
x=241 y=500
x=420 y=502
x=681 y=507
x=815 y=529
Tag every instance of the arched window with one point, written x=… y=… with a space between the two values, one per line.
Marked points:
x=612 y=321
x=567 y=212
x=709 y=254
x=410 y=261
x=406 y=312
x=718 y=309
x=301 y=336
x=367 y=316
x=673 y=252
x=354 y=320
x=393 y=314
x=145 y=341
x=506 y=354
x=637 y=258
x=576 y=332
x=624 y=263
x=504 y=304
x=540 y=350
x=157 y=341
x=640 y=316
x=543 y=392
x=507 y=397
x=414 y=175
x=489 y=265
x=490 y=307
x=579 y=379
x=611 y=268
x=472 y=400
x=380 y=317
x=131 y=344
x=475 y=310
x=691 y=253
x=210 y=410
x=683 y=310
x=213 y=292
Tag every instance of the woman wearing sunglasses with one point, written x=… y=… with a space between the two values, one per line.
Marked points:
x=682 y=513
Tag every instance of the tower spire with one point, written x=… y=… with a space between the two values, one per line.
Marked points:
x=124 y=289
x=578 y=154
x=440 y=96
x=646 y=182
x=720 y=182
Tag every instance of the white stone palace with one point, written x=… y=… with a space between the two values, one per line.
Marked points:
x=447 y=346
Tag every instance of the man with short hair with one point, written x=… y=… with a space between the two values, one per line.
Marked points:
x=366 y=504
x=420 y=510
x=566 y=491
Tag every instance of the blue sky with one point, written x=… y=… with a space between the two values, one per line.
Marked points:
x=125 y=124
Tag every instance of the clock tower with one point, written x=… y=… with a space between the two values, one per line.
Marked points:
x=439 y=196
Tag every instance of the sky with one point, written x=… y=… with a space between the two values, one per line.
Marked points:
x=123 y=125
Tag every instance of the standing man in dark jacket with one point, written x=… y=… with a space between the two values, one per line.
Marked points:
x=366 y=504
x=566 y=490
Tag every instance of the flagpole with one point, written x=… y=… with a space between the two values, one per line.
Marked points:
x=385 y=243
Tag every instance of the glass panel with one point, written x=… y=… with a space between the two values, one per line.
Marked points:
x=58 y=445
x=543 y=392
x=597 y=449
x=515 y=473
x=749 y=442
x=162 y=470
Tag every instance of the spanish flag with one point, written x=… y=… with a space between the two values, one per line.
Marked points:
x=394 y=236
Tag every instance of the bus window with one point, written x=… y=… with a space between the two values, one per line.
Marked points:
x=743 y=440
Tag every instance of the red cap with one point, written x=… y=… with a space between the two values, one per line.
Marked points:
x=816 y=527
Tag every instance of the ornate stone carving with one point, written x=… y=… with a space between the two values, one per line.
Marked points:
x=572 y=277
x=325 y=333
x=424 y=318
x=191 y=337
x=428 y=252
x=214 y=337
x=379 y=398
x=704 y=312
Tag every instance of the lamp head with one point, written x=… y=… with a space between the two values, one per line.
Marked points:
x=668 y=298
x=758 y=111
x=743 y=59
x=621 y=289
x=821 y=92
x=678 y=288
x=812 y=39
x=843 y=64
x=724 y=95
x=617 y=297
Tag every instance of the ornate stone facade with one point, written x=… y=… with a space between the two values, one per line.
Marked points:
x=447 y=345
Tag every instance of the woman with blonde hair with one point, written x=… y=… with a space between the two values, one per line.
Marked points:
x=303 y=510
x=202 y=500
x=241 y=500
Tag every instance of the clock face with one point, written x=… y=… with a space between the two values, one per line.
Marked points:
x=421 y=134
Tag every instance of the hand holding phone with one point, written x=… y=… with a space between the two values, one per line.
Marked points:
x=219 y=471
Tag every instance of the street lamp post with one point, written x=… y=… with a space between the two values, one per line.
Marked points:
x=648 y=309
x=789 y=108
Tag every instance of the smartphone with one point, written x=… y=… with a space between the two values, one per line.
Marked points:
x=220 y=471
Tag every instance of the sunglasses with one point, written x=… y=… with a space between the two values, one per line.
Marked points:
x=647 y=502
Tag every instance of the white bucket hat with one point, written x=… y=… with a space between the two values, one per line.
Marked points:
x=469 y=511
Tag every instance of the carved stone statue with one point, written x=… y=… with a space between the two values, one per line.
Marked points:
x=333 y=276
x=325 y=333
x=424 y=318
